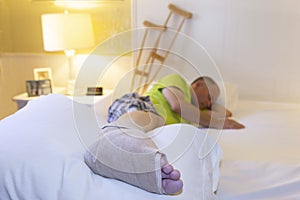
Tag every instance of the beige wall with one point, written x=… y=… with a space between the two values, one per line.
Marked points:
x=20 y=22
x=15 y=69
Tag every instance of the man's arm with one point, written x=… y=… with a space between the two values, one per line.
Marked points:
x=191 y=113
x=186 y=110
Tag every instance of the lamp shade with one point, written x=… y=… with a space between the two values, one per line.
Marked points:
x=67 y=31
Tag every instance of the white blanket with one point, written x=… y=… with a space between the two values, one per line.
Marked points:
x=262 y=161
x=42 y=148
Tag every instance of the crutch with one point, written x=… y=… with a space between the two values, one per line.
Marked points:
x=154 y=55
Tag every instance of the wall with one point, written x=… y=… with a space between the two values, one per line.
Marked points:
x=254 y=43
x=20 y=22
x=15 y=69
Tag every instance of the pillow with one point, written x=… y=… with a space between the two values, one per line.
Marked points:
x=228 y=95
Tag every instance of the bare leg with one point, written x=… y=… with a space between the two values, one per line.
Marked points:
x=141 y=120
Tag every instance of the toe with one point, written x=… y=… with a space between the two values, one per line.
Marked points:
x=175 y=175
x=167 y=169
x=172 y=187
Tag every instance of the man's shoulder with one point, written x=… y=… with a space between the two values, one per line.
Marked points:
x=172 y=79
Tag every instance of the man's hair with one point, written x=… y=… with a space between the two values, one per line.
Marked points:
x=206 y=79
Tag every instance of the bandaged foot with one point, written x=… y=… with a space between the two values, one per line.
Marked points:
x=128 y=155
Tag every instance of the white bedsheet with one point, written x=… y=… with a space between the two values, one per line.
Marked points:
x=262 y=161
x=42 y=148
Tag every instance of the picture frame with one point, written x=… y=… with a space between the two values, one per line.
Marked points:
x=42 y=74
x=38 y=87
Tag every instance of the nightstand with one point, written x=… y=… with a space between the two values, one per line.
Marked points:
x=22 y=99
x=90 y=99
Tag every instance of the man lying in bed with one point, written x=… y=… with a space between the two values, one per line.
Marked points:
x=179 y=102
x=125 y=152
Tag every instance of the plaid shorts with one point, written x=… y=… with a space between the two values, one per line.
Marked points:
x=129 y=102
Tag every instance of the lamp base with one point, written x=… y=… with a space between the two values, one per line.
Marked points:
x=71 y=87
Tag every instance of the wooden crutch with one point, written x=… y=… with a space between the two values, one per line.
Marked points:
x=153 y=55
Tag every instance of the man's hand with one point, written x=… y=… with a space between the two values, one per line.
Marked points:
x=225 y=123
x=232 y=124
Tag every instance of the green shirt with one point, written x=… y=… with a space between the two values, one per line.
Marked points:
x=160 y=103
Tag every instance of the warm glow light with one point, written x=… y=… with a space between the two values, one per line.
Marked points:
x=67 y=31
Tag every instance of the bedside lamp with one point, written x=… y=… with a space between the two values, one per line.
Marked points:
x=67 y=32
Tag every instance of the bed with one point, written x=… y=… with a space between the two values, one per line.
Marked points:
x=260 y=162
x=43 y=145
x=263 y=160
x=42 y=148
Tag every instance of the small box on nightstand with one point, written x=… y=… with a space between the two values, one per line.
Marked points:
x=94 y=91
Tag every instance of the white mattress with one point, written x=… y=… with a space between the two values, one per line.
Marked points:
x=262 y=161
